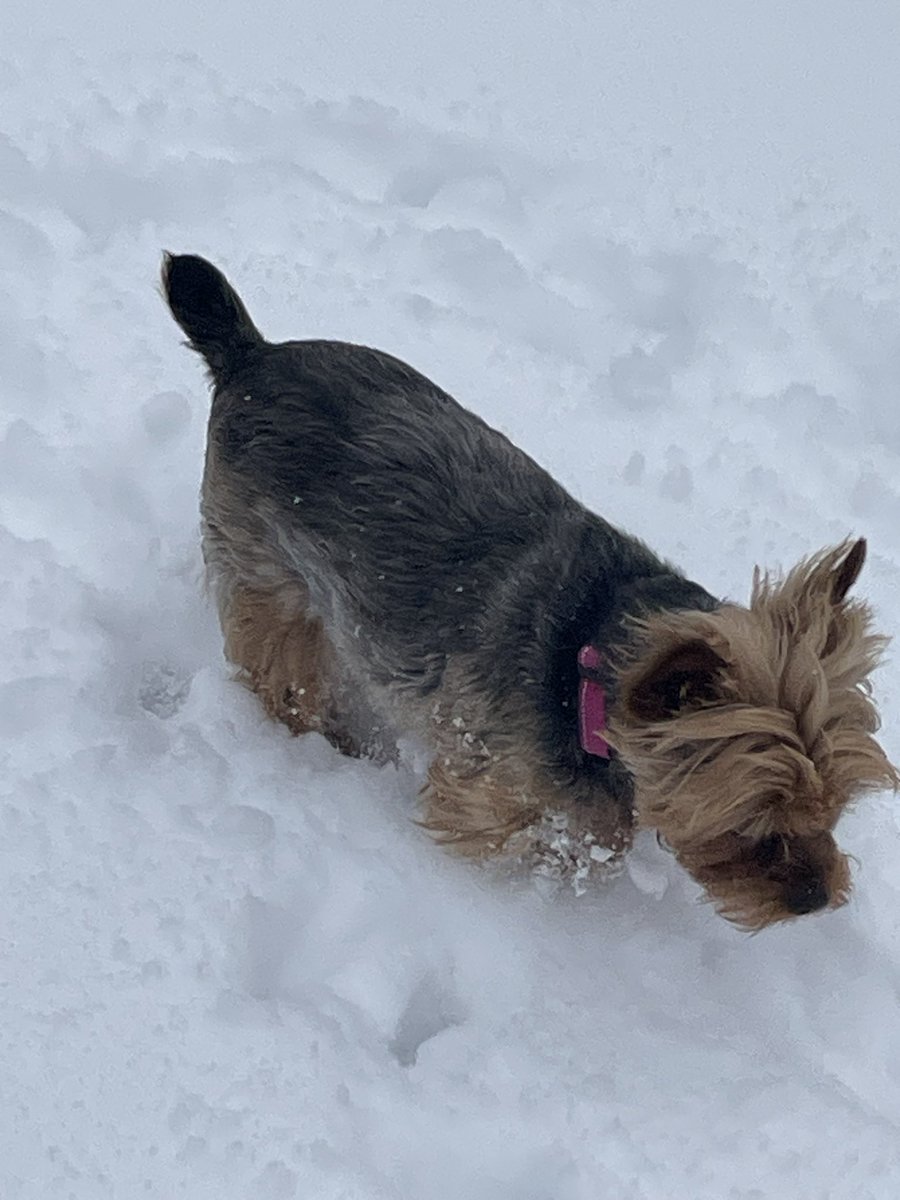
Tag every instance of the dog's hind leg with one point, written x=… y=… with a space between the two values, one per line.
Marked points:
x=284 y=656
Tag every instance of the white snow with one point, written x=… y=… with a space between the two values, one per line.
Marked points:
x=659 y=245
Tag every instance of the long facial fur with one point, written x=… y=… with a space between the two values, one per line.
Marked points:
x=749 y=731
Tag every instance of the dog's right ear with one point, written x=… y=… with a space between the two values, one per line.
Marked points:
x=846 y=573
x=689 y=676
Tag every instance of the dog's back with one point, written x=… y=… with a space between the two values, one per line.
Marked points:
x=405 y=521
x=362 y=467
x=303 y=416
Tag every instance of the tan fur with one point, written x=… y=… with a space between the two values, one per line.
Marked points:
x=476 y=797
x=474 y=814
x=729 y=870
x=484 y=815
x=480 y=797
x=777 y=747
x=284 y=656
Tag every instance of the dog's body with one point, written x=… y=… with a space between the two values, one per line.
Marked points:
x=385 y=563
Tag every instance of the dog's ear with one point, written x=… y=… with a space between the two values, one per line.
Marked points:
x=814 y=591
x=847 y=571
x=687 y=677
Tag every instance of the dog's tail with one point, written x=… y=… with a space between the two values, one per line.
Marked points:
x=210 y=312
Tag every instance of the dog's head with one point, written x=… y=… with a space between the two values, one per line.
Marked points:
x=749 y=730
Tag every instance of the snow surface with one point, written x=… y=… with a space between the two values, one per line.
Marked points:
x=659 y=245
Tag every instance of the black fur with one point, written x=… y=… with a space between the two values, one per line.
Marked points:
x=424 y=535
x=210 y=312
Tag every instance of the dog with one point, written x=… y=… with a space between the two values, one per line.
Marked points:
x=384 y=563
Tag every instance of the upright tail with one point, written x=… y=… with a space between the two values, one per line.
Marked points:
x=210 y=312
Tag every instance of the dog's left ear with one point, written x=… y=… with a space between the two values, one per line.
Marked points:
x=847 y=571
x=687 y=677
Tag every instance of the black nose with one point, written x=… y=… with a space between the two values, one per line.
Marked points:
x=806 y=897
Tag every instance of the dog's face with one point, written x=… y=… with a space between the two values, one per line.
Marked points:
x=748 y=732
x=758 y=881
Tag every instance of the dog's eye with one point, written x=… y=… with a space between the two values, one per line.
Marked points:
x=673 y=695
x=682 y=690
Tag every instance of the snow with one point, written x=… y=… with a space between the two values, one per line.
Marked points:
x=658 y=245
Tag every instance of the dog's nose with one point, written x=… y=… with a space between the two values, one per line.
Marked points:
x=807 y=897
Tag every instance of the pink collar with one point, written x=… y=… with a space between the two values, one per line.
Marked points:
x=591 y=704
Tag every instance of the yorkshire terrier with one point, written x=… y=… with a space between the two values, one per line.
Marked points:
x=386 y=564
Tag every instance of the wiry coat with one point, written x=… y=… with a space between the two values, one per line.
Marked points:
x=386 y=563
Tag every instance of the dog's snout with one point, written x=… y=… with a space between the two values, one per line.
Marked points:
x=806 y=897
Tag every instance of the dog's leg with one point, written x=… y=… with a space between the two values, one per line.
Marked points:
x=474 y=812
x=482 y=805
x=285 y=657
